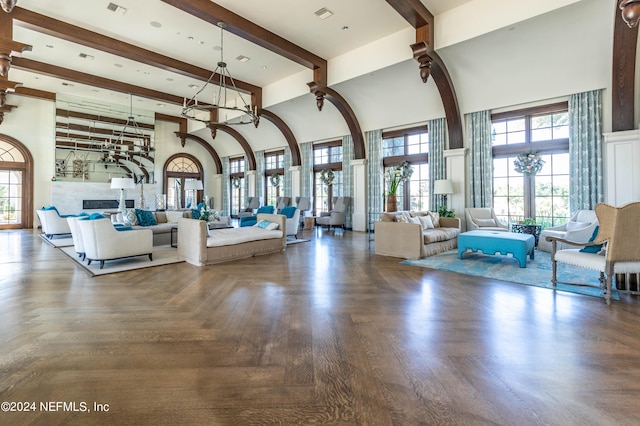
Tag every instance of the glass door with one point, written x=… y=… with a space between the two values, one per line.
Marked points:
x=10 y=199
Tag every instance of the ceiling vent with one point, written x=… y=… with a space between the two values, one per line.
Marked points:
x=242 y=58
x=323 y=13
x=116 y=8
x=86 y=56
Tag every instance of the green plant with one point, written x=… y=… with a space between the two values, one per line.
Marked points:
x=327 y=176
x=443 y=212
x=529 y=221
x=400 y=173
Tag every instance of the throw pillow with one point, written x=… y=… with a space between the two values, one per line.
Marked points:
x=146 y=218
x=415 y=220
x=572 y=226
x=485 y=222
x=161 y=217
x=426 y=222
x=435 y=219
x=195 y=214
x=130 y=218
x=265 y=224
x=402 y=218
x=592 y=249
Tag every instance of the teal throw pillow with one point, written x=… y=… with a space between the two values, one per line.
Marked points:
x=195 y=214
x=93 y=216
x=592 y=249
x=265 y=224
x=288 y=211
x=145 y=218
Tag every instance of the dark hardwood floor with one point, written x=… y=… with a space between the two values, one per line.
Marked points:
x=325 y=333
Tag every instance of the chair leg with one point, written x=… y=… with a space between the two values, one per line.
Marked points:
x=151 y=257
x=101 y=264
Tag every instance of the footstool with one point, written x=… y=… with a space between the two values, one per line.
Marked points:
x=492 y=242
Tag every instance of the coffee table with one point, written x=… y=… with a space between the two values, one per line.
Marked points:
x=493 y=242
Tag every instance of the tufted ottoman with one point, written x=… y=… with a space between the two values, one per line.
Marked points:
x=492 y=242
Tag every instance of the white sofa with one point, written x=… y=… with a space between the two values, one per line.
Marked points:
x=579 y=229
x=223 y=245
x=52 y=222
x=102 y=242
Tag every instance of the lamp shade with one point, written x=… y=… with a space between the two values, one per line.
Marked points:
x=193 y=184
x=122 y=183
x=444 y=186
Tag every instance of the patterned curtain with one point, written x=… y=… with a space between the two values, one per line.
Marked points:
x=225 y=186
x=376 y=185
x=437 y=166
x=585 y=150
x=245 y=192
x=286 y=191
x=347 y=176
x=260 y=175
x=481 y=173
x=306 y=169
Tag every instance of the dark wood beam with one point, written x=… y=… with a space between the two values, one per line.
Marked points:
x=625 y=41
x=95 y=81
x=288 y=135
x=35 y=93
x=250 y=157
x=46 y=25
x=99 y=118
x=8 y=46
x=413 y=11
x=214 y=154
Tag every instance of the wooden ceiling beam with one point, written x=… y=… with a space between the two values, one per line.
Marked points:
x=46 y=25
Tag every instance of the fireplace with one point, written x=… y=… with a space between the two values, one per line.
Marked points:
x=104 y=204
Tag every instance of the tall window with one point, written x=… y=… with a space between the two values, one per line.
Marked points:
x=326 y=156
x=237 y=182
x=274 y=176
x=545 y=195
x=179 y=169
x=411 y=145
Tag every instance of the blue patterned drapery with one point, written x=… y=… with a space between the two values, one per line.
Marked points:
x=225 y=186
x=437 y=166
x=260 y=175
x=585 y=150
x=306 y=169
x=481 y=160
x=376 y=185
x=347 y=176
x=286 y=191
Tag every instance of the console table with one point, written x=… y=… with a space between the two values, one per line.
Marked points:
x=534 y=230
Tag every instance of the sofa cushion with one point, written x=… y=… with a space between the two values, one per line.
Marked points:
x=174 y=215
x=485 y=222
x=161 y=217
x=146 y=218
x=435 y=218
x=130 y=217
x=426 y=222
x=572 y=226
x=440 y=234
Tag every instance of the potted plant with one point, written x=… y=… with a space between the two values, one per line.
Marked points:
x=402 y=172
x=443 y=212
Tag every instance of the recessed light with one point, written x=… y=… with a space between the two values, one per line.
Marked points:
x=118 y=65
x=345 y=28
x=242 y=58
x=169 y=79
x=190 y=38
x=264 y=67
x=155 y=24
x=50 y=46
x=323 y=13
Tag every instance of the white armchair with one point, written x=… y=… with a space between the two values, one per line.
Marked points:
x=78 y=244
x=578 y=229
x=485 y=219
x=102 y=242
x=53 y=223
x=293 y=220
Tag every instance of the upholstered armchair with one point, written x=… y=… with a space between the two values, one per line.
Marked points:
x=282 y=202
x=293 y=220
x=484 y=218
x=578 y=229
x=53 y=223
x=337 y=215
x=305 y=205
x=253 y=203
x=253 y=219
x=614 y=249
x=103 y=242
x=78 y=245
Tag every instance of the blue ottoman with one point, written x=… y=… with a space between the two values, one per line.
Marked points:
x=492 y=242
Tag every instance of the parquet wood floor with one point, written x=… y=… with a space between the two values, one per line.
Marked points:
x=325 y=333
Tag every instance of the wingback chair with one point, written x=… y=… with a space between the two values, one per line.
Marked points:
x=253 y=203
x=253 y=219
x=53 y=223
x=484 y=218
x=579 y=229
x=293 y=220
x=305 y=205
x=337 y=215
x=613 y=250
x=282 y=202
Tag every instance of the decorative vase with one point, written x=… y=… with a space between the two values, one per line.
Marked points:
x=392 y=203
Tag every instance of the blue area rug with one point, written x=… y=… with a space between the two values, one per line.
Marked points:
x=506 y=268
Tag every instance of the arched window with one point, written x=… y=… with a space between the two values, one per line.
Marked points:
x=16 y=180
x=179 y=169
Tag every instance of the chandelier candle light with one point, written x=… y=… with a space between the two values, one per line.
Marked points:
x=220 y=103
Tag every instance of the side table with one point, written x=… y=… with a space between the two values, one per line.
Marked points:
x=534 y=230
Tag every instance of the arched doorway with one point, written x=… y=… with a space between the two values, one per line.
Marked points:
x=179 y=169
x=16 y=184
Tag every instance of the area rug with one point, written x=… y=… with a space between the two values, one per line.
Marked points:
x=58 y=240
x=296 y=241
x=162 y=255
x=506 y=268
